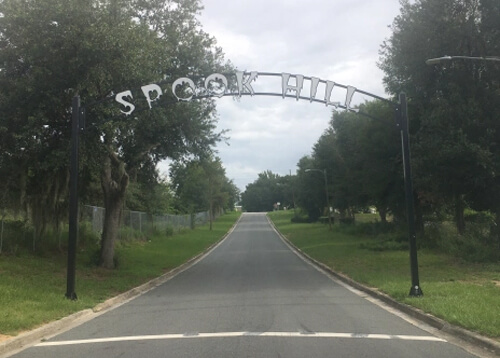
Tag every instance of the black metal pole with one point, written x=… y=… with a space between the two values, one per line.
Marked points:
x=73 y=200
x=415 y=289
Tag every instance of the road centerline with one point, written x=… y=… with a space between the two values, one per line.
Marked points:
x=323 y=335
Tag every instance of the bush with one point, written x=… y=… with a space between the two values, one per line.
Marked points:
x=476 y=245
x=370 y=228
x=17 y=237
x=87 y=237
x=480 y=217
x=474 y=249
x=129 y=234
x=386 y=245
x=169 y=230
x=347 y=221
x=324 y=219
x=300 y=220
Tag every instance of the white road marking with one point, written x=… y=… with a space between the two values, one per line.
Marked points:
x=244 y=334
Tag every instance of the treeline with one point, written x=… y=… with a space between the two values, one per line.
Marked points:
x=51 y=51
x=454 y=113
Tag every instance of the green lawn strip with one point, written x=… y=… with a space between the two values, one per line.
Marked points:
x=32 y=288
x=464 y=294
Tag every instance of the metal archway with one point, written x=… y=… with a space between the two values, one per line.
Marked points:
x=238 y=84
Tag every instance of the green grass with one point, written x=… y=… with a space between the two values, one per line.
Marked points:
x=33 y=287
x=465 y=294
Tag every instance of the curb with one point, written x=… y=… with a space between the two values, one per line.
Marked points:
x=473 y=338
x=24 y=340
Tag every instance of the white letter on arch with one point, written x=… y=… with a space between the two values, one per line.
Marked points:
x=350 y=92
x=182 y=81
x=328 y=94
x=314 y=88
x=147 y=91
x=120 y=98
x=247 y=85
x=216 y=77
x=285 y=77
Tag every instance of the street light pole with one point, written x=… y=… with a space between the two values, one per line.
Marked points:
x=326 y=193
x=73 y=200
x=438 y=60
x=415 y=290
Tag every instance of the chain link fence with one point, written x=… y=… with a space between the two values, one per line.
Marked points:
x=141 y=222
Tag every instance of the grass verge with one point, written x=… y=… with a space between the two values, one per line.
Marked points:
x=464 y=294
x=33 y=287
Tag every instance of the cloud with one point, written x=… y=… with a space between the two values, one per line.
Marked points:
x=335 y=40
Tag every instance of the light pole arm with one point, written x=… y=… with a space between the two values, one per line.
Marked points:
x=437 y=60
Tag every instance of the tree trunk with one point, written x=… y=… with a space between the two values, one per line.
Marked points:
x=382 y=213
x=496 y=227
x=211 y=214
x=211 y=203
x=459 y=214
x=114 y=182
x=1 y=235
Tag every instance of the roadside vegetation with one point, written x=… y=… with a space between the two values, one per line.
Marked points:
x=454 y=127
x=461 y=292
x=33 y=286
x=48 y=56
x=355 y=168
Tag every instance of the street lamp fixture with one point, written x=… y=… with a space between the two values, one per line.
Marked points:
x=438 y=60
x=326 y=193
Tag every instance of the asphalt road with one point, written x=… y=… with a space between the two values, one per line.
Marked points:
x=250 y=297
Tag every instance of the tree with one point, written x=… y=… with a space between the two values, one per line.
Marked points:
x=190 y=186
x=51 y=50
x=363 y=156
x=149 y=192
x=268 y=189
x=337 y=152
x=453 y=108
x=215 y=175
x=310 y=189
x=201 y=184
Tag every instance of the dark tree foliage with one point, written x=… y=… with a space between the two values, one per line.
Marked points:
x=266 y=191
x=310 y=188
x=202 y=185
x=52 y=50
x=455 y=106
x=362 y=159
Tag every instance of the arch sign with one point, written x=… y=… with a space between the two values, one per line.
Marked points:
x=241 y=83
x=238 y=84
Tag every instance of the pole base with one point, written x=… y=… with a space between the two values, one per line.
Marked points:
x=416 y=291
x=71 y=296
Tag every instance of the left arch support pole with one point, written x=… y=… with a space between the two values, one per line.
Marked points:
x=73 y=199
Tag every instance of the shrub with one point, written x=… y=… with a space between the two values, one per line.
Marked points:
x=130 y=234
x=386 y=245
x=17 y=237
x=476 y=245
x=481 y=217
x=347 y=221
x=300 y=220
x=169 y=230
x=87 y=237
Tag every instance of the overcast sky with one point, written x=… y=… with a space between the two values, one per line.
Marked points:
x=336 y=40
